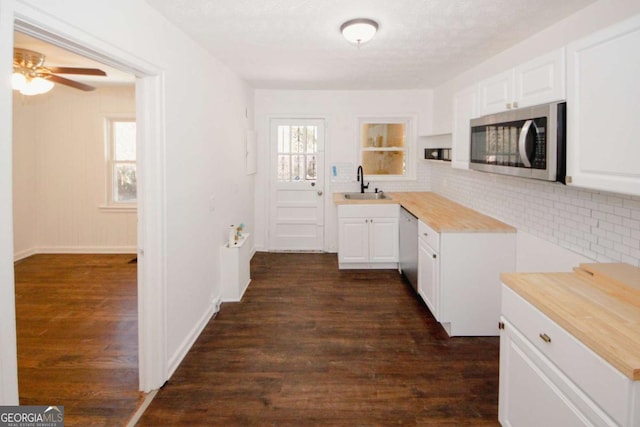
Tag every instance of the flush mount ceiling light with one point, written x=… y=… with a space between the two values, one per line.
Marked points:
x=358 y=31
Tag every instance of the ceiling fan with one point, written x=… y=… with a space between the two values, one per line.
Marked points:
x=31 y=77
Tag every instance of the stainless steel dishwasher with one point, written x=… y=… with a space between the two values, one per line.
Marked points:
x=409 y=247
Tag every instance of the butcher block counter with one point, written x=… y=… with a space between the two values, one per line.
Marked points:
x=599 y=304
x=438 y=212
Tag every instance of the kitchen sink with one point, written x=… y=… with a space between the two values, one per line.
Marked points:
x=366 y=196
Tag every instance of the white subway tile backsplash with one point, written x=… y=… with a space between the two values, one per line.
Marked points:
x=623 y=212
x=622 y=249
x=631 y=223
x=622 y=231
x=632 y=243
x=612 y=255
x=599 y=225
x=632 y=204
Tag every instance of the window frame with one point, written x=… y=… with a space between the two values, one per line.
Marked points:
x=409 y=148
x=110 y=162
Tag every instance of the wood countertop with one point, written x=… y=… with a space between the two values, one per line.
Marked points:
x=438 y=212
x=599 y=304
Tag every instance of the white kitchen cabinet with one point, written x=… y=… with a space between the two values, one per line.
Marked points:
x=603 y=109
x=368 y=236
x=465 y=108
x=428 y=275
x=548 y=377
x=538 y=81
x=496 y=93
x=461 y=285
x=541 y=80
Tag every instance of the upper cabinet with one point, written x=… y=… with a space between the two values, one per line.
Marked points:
x=538 y=81
x=603 y=107
x=465 y=107
x=496 y=93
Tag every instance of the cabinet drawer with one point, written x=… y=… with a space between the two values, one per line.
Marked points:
x=590 y=372
x=387 y=210
x=429 y=235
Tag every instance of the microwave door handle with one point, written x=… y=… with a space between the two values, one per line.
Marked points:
x=522 y=143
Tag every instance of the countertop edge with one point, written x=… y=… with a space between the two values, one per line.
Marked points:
x=496 y=226
x=511 y=280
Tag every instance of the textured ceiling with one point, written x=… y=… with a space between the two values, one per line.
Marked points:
x=421 y=43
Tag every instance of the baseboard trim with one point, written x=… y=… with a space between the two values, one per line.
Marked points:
x=143 y=407
x=75 y=250
x=17 y=256
x=187 y=343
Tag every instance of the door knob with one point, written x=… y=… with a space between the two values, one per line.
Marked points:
x=319 y=192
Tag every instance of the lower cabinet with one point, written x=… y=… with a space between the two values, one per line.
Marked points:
x=368 y=236
x=428 y=275
x=459 y=278
x=549 y=378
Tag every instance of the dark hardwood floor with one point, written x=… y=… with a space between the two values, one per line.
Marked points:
x=310 y=345
x=77 y=336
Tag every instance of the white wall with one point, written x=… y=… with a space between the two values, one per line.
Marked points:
x=60 y=173
x=341 y=110
x=597 y=225
x=202 y=146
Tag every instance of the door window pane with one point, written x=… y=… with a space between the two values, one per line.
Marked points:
x=284 y=168
x=297 y=148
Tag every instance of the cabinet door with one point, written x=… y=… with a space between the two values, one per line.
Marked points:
x=464 y=109
x=353 y=240
x=428 y=276
x=541 y=80
x=383 y=240
x=496 y=93
x=526 y=396
x=603 y=90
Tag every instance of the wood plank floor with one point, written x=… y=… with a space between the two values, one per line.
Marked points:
x=310 y=345
x=77 y=336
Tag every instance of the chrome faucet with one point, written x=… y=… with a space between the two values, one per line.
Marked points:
x=361 y=179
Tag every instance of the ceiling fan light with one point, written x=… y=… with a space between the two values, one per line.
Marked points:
x=18 y=81
x=37 y=86
x=359 y=31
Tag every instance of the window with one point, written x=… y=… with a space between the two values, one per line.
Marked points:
x=297 y=149
x=121 y=162
x=385 y=147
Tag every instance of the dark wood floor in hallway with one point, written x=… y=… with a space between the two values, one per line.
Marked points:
x=77 y=330
x=310 y=345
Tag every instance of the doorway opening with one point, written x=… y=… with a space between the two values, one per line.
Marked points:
x=151 y=228
x=75 y=232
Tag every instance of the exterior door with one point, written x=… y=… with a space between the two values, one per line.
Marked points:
x=297 y=185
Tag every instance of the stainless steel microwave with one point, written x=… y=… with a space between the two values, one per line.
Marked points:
x=528 y=142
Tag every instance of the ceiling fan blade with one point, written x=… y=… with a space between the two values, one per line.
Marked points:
x=74 y=70
x=71 y=83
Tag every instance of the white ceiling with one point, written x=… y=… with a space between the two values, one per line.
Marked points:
x=56 y=56
x=296 y=44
